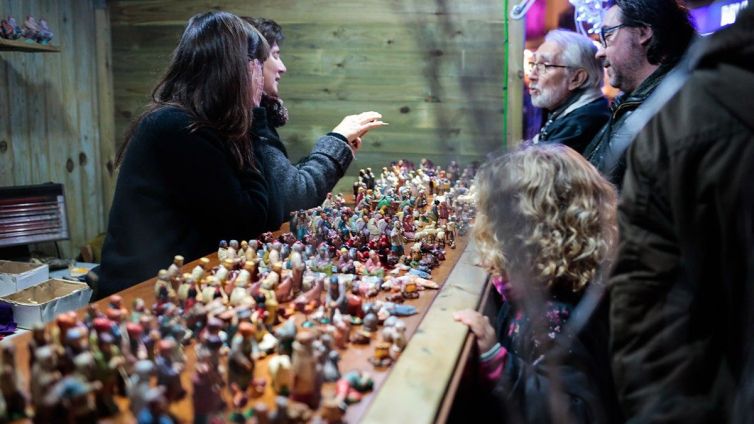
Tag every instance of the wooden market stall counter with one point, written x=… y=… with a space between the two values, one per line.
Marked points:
x=418 y=388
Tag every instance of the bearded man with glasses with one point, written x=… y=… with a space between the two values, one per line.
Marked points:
x=641 y=41
x=565 y=79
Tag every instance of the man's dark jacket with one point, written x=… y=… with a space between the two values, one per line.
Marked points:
x=603 y=146
x=681 y=291
x=577 y=128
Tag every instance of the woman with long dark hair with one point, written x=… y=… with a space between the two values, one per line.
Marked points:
x=188 y=176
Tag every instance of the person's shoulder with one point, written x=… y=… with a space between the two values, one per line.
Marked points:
x=598 y=106
x=169 y=118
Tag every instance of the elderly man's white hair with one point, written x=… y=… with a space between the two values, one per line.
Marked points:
x=579 y=51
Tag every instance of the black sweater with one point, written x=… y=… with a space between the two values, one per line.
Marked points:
x=178 y=192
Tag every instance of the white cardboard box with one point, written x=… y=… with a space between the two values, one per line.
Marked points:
x=16 y=276
x=43 y=302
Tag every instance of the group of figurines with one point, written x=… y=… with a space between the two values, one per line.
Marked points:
x=33 y=30
x=291 y=302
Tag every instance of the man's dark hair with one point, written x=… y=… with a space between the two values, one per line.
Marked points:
x=270 y=30
x=671 y=23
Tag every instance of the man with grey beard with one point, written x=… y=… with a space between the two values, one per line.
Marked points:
x=566 y=80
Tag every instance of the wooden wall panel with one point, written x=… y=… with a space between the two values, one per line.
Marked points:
x=433 y=68
x=50 y=116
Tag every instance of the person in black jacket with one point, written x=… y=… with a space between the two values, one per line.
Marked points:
x=642 y=40
x=682 y=292
x=565 y=79
x=305 y=184
x=546 y=225
x=189 y=176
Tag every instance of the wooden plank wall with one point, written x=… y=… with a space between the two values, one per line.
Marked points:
x=433 y=68
x=50 y=121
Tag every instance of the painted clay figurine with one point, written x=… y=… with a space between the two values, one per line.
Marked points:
x=307 y=374
x=207 y=389
x=240 y=360
x=138 y=385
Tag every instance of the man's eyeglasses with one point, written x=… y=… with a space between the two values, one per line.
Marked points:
x=541 y=67
x=605 y=31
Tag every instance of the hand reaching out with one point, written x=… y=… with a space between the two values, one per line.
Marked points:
x=354 y=127
x=480 y=326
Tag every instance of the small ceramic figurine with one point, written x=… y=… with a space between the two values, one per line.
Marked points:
x=71 y=399
x=297 y=267
x=351 y=387
x=284 y=290
x=10 y=29
x=370 y=317
x=156 y=409
x=373 y=265
x=329 y=358
x=251 y=252
x=182 y=294
x=163 y=291
x=395 y=334
x=44 y=376
x=381 y=356
x=207 y=394
x=269 y=285
x=138 y=385
x=342 y=330
x=39 y=339
x=281 y=376
x=286 y=334
x=233 y=250
x=240 y=360
x=240 y=293
x=10 y=386
x=310 y=300
x=222 y=251
x=168 y=372
x=335 y=297
x=108 y=365
x=45 y=35
x=31 y=29
x=200 y=270
x=174 y=270
x=307 y=374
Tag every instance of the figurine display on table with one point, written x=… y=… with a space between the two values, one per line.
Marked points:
x=341 y=276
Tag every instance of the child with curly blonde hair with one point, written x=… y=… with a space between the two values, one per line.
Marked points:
x=545 y=228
